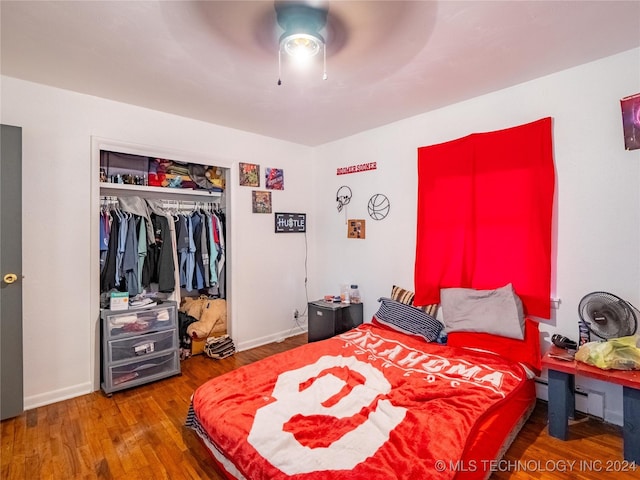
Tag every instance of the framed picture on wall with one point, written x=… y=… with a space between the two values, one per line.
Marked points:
x=261 y=201
x=631 y=121
x=249 y=175
x=274 y=178
x=290 y=222
x=356 y=228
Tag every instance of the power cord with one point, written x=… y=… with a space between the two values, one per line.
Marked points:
x=306 y=291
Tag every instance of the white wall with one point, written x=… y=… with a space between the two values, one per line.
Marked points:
x=59 y=318
x=597 y=206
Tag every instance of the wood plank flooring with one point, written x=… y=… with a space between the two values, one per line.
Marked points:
x=139 y=434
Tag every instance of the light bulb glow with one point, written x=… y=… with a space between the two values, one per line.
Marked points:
x=301 y=45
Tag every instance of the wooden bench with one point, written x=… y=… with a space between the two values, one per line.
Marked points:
x=562 y=398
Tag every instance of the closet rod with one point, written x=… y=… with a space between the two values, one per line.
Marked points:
x=179 y=205
x=188 y=205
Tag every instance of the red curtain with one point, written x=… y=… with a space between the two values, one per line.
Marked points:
x=485 y=207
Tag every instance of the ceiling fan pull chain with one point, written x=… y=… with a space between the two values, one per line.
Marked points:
x=324 y=48
x=279 y=67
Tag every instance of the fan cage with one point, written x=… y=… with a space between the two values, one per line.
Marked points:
x=606 y=316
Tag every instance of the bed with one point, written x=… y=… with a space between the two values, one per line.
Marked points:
x=382 y=401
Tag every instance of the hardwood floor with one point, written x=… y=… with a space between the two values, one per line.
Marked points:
x=139 y=434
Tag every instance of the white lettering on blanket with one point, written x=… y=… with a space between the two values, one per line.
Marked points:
x=283 y=450
x=452 y=369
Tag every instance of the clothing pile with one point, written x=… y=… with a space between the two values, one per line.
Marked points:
x=184 y=320
x=219 y=347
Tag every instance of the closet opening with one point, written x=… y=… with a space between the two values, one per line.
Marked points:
x=161 y=221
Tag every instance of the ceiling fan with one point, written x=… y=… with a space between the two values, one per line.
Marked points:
x=302 y=38
x=247 y=35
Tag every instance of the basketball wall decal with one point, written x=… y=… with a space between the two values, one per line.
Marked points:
x=379 y=206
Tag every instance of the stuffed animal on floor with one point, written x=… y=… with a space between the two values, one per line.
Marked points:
x=211 y=316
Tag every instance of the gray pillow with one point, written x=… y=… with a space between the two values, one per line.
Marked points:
x=498 y=311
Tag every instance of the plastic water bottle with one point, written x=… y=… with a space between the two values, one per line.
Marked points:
x=345 y=296
x=355 y=294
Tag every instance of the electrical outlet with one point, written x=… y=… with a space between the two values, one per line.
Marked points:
x=296 y=314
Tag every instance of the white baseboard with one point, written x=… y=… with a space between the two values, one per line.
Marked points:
x=54 y=396
x=276 y=337
x=47 y=398
x=614 y=416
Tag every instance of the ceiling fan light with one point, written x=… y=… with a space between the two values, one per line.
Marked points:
x=301 y=39
x=301 y=45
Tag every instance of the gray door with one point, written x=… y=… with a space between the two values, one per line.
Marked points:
x=11 y=388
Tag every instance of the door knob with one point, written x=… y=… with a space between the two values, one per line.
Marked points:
x=10 y=278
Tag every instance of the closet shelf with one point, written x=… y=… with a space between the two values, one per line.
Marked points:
x=123 y=189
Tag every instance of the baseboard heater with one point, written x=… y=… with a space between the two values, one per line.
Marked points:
x=587 y=401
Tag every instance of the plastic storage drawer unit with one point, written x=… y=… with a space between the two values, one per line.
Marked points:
x=139 y=346
x=143 y=345
x=135 y=322
x=143 y=371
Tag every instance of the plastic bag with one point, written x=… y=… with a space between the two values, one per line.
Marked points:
x=618 y=353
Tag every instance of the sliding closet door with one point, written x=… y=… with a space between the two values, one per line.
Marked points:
x=11 y=383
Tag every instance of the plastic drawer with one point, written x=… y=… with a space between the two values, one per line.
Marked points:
x=141 y=345
x=143 y=371
x=136 y=322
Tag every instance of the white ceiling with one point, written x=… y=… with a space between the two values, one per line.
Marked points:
x=386 y=60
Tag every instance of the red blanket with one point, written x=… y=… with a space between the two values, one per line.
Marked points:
x=368 y=404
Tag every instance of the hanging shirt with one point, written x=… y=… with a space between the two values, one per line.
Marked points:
x=182 y=246
x=130 y=257
x=220 y=243
x=190 y=254
x=204 y=245
x=213 y=251
x=221 y=265
x=104 y=232
x=122 y=240
x=138 y=206
x=155 y=207
x=198 y=276
x=142 y=252
x=164 y=266
x=105 y=226
x=108 y=274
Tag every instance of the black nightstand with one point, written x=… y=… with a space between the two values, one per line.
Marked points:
x=327 y=319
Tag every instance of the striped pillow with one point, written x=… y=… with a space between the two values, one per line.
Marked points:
x=430 y=309
x=406 y=296
x=407 y=319
x=401 y=295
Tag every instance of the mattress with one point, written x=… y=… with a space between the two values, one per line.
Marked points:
x=495 y=434
x=370 y=403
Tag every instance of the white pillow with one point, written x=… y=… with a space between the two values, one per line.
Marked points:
x=498 y=311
